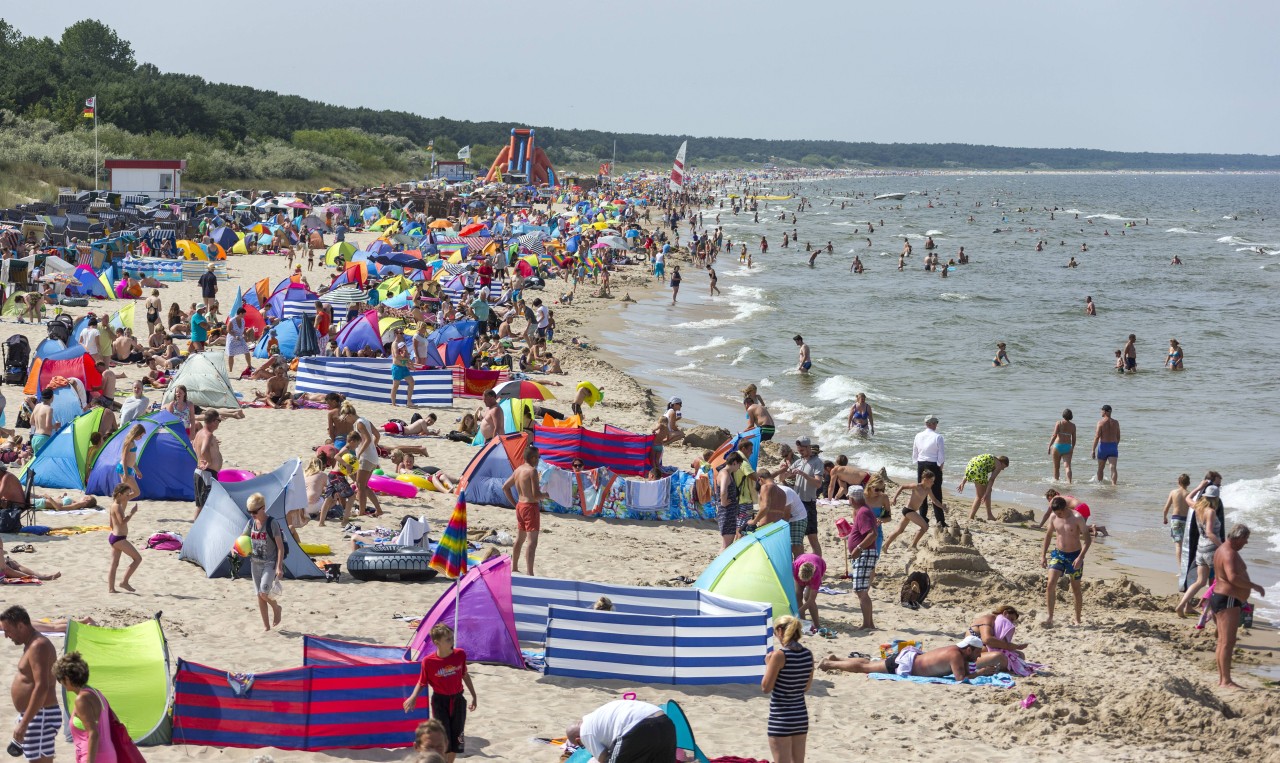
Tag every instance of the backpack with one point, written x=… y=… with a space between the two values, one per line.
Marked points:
x=268 y=528
x=914 y=590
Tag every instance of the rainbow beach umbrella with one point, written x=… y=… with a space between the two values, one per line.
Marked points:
x=450 y=556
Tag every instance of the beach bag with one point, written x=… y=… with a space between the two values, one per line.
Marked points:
x=165 y=542
x=126 y=750
x=914 y=590
x=11 y=520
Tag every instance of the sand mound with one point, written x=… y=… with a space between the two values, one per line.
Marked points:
x=951 y=559
x=1122 y=593
x=1012 y=516
x=707 y=437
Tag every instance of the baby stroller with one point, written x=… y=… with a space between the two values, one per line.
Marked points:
x=60 y=328
x=17 y=355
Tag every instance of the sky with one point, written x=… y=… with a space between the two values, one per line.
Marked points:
x=1128 y=75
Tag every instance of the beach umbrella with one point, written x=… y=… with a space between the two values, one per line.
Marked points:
x=297 y=204
x=472 y=229
x=614 y=242
x=525 y=390
x=450 y=556
x=600 y=245
x=224 y=237
x=260 y=228
x=633 y=233
x=440 y=224
x=345 y=295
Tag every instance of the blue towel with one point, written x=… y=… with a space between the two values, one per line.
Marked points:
x=999 y=680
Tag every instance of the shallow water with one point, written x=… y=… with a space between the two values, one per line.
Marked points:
x=918 y=344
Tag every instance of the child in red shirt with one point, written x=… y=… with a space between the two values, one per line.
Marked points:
x=444 y=673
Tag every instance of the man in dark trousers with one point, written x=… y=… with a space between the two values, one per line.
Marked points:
x=209 y=287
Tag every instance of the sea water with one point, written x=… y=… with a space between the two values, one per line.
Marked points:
x=921 y=345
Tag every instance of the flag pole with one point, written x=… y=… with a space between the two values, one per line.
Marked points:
x=95 y=143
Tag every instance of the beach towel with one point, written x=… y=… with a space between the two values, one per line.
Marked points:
x=79 y=530
x=413 y=532
x=830 y=590
x=999 y=680
x=21 y=581
x=559 y=485
x=1004 y=628
x=648 y=495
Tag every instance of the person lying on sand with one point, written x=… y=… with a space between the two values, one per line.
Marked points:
x=936 y=663
x=12 y=569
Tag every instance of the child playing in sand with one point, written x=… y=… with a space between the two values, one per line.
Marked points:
x=337 y=491
x=118 y=539
x=445 y=672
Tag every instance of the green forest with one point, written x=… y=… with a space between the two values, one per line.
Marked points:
x=230 y=133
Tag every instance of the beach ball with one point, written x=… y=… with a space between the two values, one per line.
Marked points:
x=243 y=546
x=378 y=472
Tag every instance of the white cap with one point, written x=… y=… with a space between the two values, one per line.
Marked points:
x=970 y=641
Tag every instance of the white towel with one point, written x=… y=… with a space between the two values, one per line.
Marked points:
x=648 y=495
x=413 y=533
x=558 y=484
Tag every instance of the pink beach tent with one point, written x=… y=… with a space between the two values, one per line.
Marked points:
x=485 y=619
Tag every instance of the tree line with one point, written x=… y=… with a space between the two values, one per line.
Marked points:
x=48 y=80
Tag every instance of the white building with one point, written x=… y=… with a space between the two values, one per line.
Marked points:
x=160 y=178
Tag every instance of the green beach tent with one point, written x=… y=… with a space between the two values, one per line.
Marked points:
x=757 y=567
x=63 y=462
x=341 y=249
x=130 y=666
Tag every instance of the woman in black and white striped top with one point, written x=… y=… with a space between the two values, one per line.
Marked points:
x=788 y=672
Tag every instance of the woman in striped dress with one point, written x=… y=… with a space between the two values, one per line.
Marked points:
x=788 y=672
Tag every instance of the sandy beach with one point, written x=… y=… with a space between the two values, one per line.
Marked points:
x=1132 y=683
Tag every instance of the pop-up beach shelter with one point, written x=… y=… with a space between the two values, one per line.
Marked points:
x=684 y=738
x=71 y=362
x=224 y=518
x=204 y=374
x=165 y=459
x=63 y=462
x=130 y=666
x=756 y=567
x=286 y=334
x=497 y=459
x=361 y=333
x=481 y=613
x=341 y=249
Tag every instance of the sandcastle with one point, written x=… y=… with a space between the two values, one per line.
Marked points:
x=950 y=558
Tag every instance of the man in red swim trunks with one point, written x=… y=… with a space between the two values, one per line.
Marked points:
x=528 y=509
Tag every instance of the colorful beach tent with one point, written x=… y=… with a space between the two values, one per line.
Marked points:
x=165 y=459
x=224 y=518
x=756 y=567
x=752 y=436
x=130 y=666
x=66 y=406
x=621 y=453
x=63 y=462
x=91 y=284
x=485 y=619
x=361 y=333
x=483 y=477
x=290 y=299
x=71 y=363
x=204 y=374
x=286 y=333
x=341 y=249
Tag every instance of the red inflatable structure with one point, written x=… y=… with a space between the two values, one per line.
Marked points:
x=523 y=157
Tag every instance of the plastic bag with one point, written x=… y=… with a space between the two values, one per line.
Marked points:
x=276 y=590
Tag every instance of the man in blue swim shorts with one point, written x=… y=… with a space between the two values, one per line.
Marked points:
x=1071 y=540
x=1106 y=443
x=805 y=362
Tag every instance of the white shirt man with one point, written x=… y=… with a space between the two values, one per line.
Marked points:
x=640 y=729
x=930 y=454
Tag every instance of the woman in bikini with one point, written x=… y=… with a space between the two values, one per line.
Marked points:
x=127 y=469
x=861 y=416
x=914 y=512
x=118 y=539
x=1061 y=443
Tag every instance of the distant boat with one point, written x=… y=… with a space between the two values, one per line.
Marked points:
x=888 y=196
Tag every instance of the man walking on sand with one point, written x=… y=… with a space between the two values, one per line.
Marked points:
x=528 y=509
x=1231 y=590
x=930 y=454
x=1106 y=443
x=1072 y=543
x=34 y=692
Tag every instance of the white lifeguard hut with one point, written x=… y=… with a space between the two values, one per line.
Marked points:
x=154 y=177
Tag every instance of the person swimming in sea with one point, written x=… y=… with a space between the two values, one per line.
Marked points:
x=1002 y=357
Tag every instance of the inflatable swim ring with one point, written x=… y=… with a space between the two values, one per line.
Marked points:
x=390 y=563
x=594 y=395
x=418 y=481
x=235 y=475
x=388 y=486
